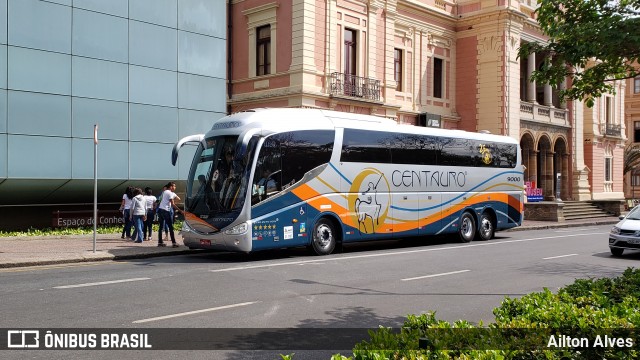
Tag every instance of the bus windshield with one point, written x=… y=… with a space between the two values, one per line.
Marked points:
x=217 y=183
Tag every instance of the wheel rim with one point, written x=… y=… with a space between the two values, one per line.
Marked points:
x=486 y=227
x=466 y=229
x=324 y=236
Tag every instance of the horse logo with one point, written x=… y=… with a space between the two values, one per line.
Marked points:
x=486 y=154
x=369 y=200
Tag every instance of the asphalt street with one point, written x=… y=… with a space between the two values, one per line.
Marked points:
x=368 y=285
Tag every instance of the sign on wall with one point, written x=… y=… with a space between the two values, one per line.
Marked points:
x=534 y=194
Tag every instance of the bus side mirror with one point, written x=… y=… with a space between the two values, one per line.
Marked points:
x=243 y=143
x=188 y=139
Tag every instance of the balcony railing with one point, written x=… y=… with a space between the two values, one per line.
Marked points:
x=611 y=130
x=354 y=86
x=543 y=114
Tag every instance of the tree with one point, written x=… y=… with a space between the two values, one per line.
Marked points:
x=631 y=157
x=605 y=32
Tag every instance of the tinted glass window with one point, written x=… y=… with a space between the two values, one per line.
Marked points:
x=367 y=146
x=303 y=151
x=457 y=152
x=414 y=149
x=285 y=158
x=396 y=148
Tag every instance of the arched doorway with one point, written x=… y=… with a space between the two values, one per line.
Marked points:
x=529 y=158
x=545 y=167
x=561 y=166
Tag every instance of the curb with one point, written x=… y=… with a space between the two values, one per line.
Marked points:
x=100 y=258
x=561 y=225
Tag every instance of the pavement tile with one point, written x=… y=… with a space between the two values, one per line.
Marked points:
x=25 y=251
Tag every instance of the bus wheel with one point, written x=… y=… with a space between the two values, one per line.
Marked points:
x=324 y=237
x=467 y=228
x=485 y=227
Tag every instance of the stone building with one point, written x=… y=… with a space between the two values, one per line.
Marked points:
x=442 y=63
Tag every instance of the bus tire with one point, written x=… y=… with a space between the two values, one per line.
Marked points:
x=486 y=229
x=324 y=237
x=467 y=230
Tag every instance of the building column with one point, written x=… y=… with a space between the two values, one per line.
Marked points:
x=549 y=176
x=564 y=191
x=531 y=85
x=532 y=167
x=547 y=95
x=562 y=86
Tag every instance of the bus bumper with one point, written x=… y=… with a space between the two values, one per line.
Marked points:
x=218 y=241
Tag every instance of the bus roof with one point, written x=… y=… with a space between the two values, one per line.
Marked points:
x=274 y=120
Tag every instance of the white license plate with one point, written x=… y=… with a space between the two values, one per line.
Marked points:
x=633 y=241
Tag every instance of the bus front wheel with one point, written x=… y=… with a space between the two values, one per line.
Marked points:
x=467 y=228
x=324 y=237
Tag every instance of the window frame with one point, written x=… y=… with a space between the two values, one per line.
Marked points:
x=438 y=78
x=263 y=51
x=608 y=110
x=257 y=17
x=398 y=68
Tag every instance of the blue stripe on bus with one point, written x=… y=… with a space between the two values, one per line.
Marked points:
x=459 y=196
x=339 y=173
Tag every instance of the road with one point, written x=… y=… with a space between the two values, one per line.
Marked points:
x=365 y=286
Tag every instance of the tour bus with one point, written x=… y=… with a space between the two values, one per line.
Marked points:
x=279 y=178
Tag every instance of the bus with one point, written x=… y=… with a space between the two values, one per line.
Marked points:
x=280 y=178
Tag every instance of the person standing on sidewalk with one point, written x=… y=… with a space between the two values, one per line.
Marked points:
x=147 y=227
x=125 y=208
x=164 y=212
x=138 y=213
x=158 y=201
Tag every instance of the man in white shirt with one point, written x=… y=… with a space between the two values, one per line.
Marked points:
x=164 y=213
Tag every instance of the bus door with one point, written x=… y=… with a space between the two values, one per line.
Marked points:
x=286 y=164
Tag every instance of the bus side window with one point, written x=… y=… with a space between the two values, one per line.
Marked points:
x=269 y=160
x=303 y=151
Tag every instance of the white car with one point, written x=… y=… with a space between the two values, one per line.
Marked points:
x=626 y=233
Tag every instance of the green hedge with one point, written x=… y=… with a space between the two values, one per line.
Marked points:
x=531 y=327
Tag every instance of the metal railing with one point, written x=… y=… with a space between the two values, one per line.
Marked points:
x=611 y=130
x=354 y=86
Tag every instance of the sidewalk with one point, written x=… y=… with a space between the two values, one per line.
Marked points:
x=47 y=250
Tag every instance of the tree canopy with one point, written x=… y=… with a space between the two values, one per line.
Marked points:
x=606 y=32
x=631 y=157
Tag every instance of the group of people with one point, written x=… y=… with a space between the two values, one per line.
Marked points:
x=138 y=211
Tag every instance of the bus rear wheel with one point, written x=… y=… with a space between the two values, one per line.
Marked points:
x=324 y=237
x=467 y=229
x=486 y=230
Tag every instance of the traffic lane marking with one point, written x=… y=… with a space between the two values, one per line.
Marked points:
x=435 y=275
x=195 y=312
x=100 y=283
x=301 y=262
x=558 y=257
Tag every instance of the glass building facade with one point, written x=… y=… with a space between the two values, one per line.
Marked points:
x=148 y=72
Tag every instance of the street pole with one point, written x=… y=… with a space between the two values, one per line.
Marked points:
x=95 y=184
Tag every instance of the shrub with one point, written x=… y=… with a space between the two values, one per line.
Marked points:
x=524 y=328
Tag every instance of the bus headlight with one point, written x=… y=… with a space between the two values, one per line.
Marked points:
x=238 y=229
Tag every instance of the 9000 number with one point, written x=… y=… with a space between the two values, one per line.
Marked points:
x=513 y=178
